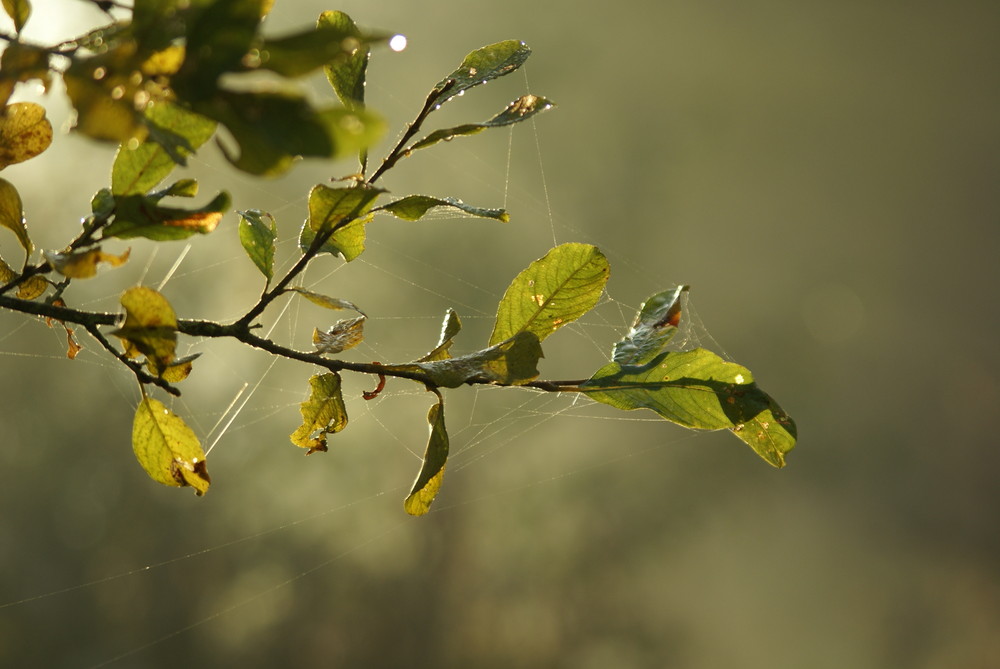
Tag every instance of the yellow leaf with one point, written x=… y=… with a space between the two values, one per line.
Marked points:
x=167 y=448
x=31 y=288
x=322 y=414
x=12 y=214
x=150 y=327
x=428 y=482
x=24 y=132
x=334 y=303
x=83 y=264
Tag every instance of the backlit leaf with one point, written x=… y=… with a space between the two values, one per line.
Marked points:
x=322 y=414
x=142 y=216
x=343 y=335
x=519 y=110
x=553 y=291
x=347 y=75
x=29 y=289
x=482 y=65
x=174 y=134
x=219 y=35
x=272 y=129
x=698 y=389
x=22 y=62
x=324 y=301
x=428 y=481
x=654 y=327
x=342 y=210
x=257 y=231
x=12 y=215
x=347 y=242
x=149 y=328
x=449 y=329
x=331 y=43
x=512 y=362
x=25 y=132
x=167 y=448
x=83 y=264
x=18 y=11
x=179 y=369
x=415 y=207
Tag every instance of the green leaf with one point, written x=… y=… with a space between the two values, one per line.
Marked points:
x=482 y=65
x=322 y=414
x=219 y=35
x=343 y=210
x=331 y=43
x=149 y=328
x=698 y=389
x=553 y=291
x=347 y=75
x=18 y=11
x=257 y=238
x=654 y=326
x=142 y=216
x=428 y=481
x=519 y=110
x=25 y=132
x=12 y=215
x=449 y=329
x=174 y=134
x=324 y=301
x=509 y=363
x=167 y=448
x=415 y=207
x=272 y=129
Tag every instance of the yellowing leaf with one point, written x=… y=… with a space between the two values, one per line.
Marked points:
x=179 y=369
x=334 y=303
x=322 y=414
x=29 y=289
x=167 y=448
x=24 y=132
x=428 y=481
x=150 y=327
x=343 y=335
x=83 y=264
x=12 y=214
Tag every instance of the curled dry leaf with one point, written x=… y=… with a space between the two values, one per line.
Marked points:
x=343 y=335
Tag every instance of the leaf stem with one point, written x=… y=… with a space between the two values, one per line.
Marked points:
x=399 y=151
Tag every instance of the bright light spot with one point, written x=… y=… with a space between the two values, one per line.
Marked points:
x=739 y=378
x=397 y=42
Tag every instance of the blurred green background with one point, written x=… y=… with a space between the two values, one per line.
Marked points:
x=823 y=174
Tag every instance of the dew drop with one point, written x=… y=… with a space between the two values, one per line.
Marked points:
x=397 y=42
x=100 y=73
x=739 y=378
x=117 y=93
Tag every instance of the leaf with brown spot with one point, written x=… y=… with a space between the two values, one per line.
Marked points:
x=322 y=414
x=150 y=327
x=83 y=264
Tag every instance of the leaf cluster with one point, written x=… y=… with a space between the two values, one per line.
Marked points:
x=164 y=83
